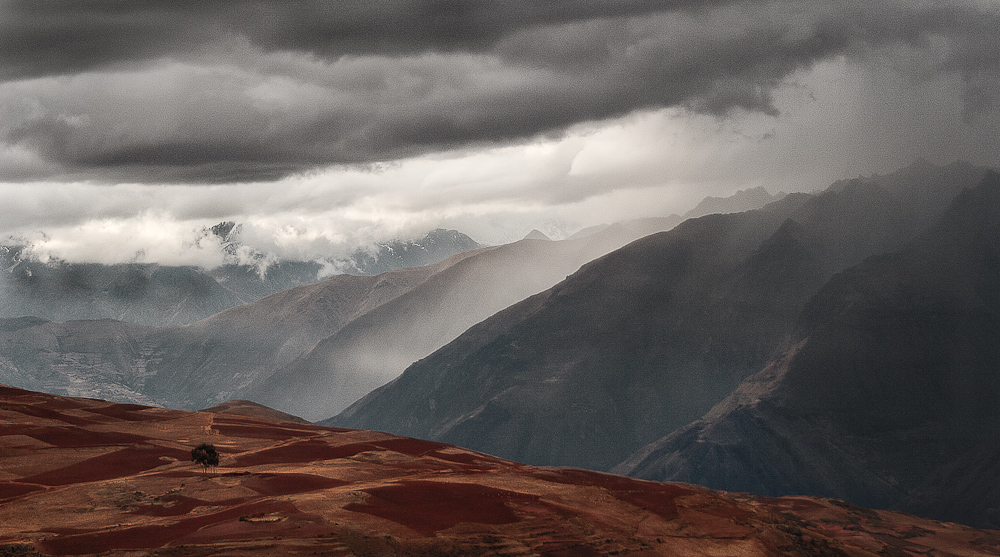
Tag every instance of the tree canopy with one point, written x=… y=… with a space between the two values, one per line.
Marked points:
x=206 y=455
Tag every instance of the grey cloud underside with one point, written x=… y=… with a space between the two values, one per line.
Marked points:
x=37 y=34
x=223 y=91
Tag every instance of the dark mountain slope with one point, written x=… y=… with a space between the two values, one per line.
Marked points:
x=641 y=341
x=580 y=373
x=893 y=376
x=966 y=489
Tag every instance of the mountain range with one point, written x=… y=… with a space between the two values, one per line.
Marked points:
x=840 y=343
x=161 y=295
x=888 y=394
x=197 y=365
x=650 y=337
x=244 y=351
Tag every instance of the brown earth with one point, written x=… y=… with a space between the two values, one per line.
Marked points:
x=84 y=477
x=240 y=407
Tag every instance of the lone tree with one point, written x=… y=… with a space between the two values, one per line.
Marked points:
x=205 y=455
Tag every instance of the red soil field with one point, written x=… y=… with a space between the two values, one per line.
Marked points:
x=171 y=505
x=579 y=476
x=129 y=412
x=257 y=525
x=275 y=433
x=304 y=451
x=144 y=537
x=288 y=484
x=407 y=446
x=10 y=393
x=236 y=419
x=9 y=490
x=122 y=484
x=313 y=450
x=13 y=395
x=471 y=460
x=74 y=437
x=120 y=463
x=430 y=507
x=659 y=501
x=180 y=474
x=793 y=503
x=50 y=414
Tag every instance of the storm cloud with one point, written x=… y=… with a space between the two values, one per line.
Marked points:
x=224 y=91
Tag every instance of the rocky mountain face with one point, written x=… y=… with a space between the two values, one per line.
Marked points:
x=650 y=337
x=157 y=295
x=88 y=477
x=889 y=393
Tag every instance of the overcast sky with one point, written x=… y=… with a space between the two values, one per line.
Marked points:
x=128 y=126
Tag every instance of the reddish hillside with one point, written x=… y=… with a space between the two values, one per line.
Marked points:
x=81 y=476
x=242 y=407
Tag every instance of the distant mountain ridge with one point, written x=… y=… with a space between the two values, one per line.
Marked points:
x=742 y=200
x=196 y=365
x=235 y=353
x=159 y=295
x=310 y=350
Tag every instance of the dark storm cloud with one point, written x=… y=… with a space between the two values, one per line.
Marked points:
x=40 y=37
x=224 y=91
